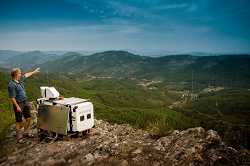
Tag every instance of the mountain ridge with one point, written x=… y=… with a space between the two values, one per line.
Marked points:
x=5 y=54
x=27 y=59
x=221 y=70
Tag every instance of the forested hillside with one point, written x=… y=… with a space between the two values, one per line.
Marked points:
x=231 y=105
x=115 y=100
x=5 y=54
x=194 y=72
x=226 y=111
x=4 y=70
x=27 y=59
x=138 y=90
x=123 y=101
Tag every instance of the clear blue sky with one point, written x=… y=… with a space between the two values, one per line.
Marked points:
x=142 y=25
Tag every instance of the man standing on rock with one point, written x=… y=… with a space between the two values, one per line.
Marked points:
x=18 y=97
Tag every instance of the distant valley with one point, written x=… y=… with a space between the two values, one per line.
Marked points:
x=176 y=72
x=186 y=90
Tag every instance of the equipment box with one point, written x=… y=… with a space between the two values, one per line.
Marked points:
x=64 y=116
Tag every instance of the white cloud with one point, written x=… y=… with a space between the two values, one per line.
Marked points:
x=118 y=24
x=71 y=38
x=192 y=8
x=166 y=7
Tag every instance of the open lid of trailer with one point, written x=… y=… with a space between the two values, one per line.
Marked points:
x=70 y=101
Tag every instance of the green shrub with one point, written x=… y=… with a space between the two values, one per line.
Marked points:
x=7 y=116
x=160 y=128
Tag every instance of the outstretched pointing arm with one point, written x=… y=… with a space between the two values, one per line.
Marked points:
x=33 y=72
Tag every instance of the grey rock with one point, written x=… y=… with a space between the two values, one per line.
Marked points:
x=122 y=145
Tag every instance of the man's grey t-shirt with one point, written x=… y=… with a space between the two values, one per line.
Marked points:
x=17 y=90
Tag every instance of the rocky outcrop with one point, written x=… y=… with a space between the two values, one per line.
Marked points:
x=122 y=145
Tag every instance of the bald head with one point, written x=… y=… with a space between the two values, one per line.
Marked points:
x=15 y=72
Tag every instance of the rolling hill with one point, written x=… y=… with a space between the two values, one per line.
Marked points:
x=222 y=70
x=27 y=59
x=5 y=54
x=119 y=101
x=186 y=72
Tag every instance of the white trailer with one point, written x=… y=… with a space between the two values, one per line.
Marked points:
x=64 y=116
